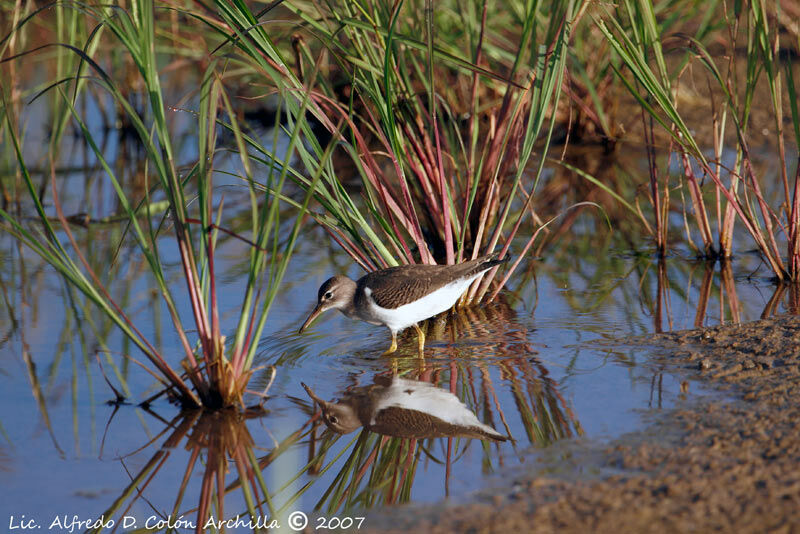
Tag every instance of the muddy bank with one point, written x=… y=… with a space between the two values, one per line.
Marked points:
x=731 y=466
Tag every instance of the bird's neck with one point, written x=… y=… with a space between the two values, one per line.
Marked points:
x=349 y=309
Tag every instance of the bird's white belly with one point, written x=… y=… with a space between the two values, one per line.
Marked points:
x=432 y=304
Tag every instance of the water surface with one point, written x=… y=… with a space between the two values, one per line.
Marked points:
x=539 y=365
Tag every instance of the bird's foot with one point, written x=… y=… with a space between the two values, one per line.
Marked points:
x=420 y=341
x=393 y=346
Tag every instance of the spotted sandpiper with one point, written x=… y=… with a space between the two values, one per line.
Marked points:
x=403 y=408
x=402 y=296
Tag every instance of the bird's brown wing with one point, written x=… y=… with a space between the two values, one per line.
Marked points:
x=397 y=286
x=394 y=288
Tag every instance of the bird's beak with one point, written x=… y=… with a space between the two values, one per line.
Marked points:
x=322 y=404
x=311 y=317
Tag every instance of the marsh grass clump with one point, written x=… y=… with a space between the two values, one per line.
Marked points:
x=177 y=200
x=441 y=108
x=755 y=64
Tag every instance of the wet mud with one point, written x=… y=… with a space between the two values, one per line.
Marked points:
x=729 y=465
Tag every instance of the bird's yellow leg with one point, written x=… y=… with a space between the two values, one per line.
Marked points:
x=393 y=346
x=420 y=340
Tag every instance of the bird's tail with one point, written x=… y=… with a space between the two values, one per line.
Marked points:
x=480 y=265
x=490 y=260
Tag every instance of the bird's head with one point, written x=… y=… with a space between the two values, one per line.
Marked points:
x=336 y=293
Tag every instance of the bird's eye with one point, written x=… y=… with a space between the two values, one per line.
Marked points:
x=328 y=295
x=332 y=419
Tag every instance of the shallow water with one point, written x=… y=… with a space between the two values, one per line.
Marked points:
x=536 y=366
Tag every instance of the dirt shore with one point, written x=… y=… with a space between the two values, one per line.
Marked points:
x=731 y=466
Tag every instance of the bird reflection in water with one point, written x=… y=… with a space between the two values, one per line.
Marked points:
x=403 y=408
